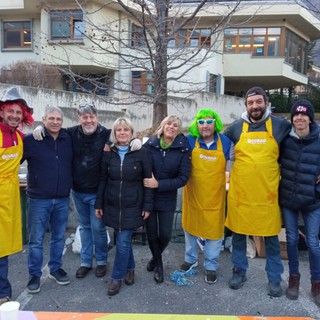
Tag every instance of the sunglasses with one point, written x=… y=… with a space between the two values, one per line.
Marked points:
x=208 y=121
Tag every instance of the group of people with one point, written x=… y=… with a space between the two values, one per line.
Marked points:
x=116 y=182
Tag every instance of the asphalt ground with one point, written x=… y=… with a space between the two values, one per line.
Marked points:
x=145 y=296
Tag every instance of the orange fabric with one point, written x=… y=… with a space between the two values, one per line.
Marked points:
x=203 y=205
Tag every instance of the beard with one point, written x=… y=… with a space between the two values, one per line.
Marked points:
x=257 y=116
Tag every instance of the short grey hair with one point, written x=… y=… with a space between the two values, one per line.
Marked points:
x=50 y=109
x=86 y=108
x=120 y=121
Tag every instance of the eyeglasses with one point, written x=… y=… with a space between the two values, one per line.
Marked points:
x=208 y=121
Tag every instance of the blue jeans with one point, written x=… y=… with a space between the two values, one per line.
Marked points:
x=211 y=252
x=41 y=213
x=124 y=259
x=5 y=286
x=312 y=226
x=274 y=267
x=93 y=232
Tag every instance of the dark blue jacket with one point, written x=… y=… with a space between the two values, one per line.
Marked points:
x=171 y=168
x=87 y=156
x=121 y=193
x=49 y=166
x=300 y=166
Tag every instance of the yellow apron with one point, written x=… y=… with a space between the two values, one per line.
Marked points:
x=10 y=210
x=253 y=195
x=203 y=206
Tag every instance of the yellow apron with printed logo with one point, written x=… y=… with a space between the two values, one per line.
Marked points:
x=253 y=207
x=203 y=205
x=10 y=209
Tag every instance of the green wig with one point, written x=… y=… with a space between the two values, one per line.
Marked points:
x=203 y=114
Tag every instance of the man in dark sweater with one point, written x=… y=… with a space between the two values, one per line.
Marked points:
x=48 y=191
x=88 y=140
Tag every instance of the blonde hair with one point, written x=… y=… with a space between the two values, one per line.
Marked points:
x=165 y=121
x=123 y=122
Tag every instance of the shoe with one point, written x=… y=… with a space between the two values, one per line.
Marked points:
x=82 y=272
x=114 y=287
x=34 y=284
x=151 y=265
x=60 y=276
x=129 y=279
x=210 y=276
x=315 y=291
x=237 y=280
x=4 y=300
x=158 y=273
x=292 y=292
x=275 y=289
x=188 y=266
x=101 y=270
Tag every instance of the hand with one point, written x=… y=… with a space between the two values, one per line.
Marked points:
x=99 y=213
x=318 y=179
x=135 y=144
x=145 y=215
x=150 y=182
x=38 y=133
x=106 y=148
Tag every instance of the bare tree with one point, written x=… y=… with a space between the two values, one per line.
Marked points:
x=156 y=27
x=30 y=73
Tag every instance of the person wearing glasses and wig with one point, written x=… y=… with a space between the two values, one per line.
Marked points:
x=123 y=203
x=170 y=152
x=203 y=201
x=253 y=207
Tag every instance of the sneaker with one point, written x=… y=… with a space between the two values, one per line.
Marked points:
x=101 y=271
x=210 y=276
x=34 y=284
x=188 y=266
x=4 y=300
x=236 y=282
x=275 y=289
x=60 y=276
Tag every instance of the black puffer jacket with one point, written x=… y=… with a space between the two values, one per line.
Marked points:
x=121 y=193
x=171 y=168
x=300 y=166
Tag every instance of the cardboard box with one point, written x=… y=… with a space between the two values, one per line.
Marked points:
x=260 y=246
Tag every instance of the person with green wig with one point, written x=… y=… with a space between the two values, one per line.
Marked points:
x=204 y=196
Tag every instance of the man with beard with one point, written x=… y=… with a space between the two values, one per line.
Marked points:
x=253 y=207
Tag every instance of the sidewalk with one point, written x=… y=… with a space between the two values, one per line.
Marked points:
x=147 y=297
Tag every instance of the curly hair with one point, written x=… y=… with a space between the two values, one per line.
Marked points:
x=203 y=114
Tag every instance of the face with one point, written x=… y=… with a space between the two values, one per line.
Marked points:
x=301 y=121
x=88 y=122
x=206 y=129
x=256 y=107
x=123 y=135
x=53 y=122
x=12 y=115
x=170 y=130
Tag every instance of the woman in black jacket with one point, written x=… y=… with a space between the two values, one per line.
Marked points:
x=122 y=200
x=171 y=153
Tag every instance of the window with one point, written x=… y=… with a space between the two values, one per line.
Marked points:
x=258 y=41
x=142 y=82
x=137 y=37
x=17 y=35
x=67 y=25
x=192 y=38
x=213 y=82
x=95 y=83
